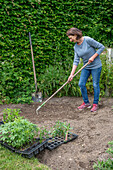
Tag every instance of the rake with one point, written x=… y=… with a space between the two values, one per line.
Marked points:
x=60 y=88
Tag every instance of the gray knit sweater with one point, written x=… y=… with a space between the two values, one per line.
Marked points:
x=86 y=50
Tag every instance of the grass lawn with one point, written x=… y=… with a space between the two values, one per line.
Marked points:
x=12 y=161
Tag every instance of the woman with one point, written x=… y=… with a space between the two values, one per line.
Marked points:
x=85 y=48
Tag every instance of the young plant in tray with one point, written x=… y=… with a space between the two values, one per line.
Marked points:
x=9 y=115
x=60 y=129
x=19 y=133
x=43 y=134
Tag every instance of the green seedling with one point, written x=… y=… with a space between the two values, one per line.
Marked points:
x=61 y=129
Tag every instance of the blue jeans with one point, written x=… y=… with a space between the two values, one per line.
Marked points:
x=96 y=78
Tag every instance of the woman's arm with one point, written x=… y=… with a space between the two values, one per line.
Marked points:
x=75 y=63
x=100 y=47
x=97 y=46
x=72 y=73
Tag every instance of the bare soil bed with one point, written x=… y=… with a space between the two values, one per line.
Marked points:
x=94 y=131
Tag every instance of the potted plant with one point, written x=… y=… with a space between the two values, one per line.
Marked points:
x=22 y=136
x=60 y=134
x=60 y=129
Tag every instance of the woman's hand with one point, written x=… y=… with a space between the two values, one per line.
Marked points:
x=70 y=78
x=91 y=59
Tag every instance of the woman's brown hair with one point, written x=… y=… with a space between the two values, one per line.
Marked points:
x=74 y=31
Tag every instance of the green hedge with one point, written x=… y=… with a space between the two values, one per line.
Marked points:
x=47 y=21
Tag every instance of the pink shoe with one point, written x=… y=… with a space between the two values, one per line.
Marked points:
x=94 y=108
x=83 y=106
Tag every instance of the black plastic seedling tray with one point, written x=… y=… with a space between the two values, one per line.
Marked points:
x=57 y=141
x=31 y=151
x=71 y=136
x=54 y=142
x=34 y=149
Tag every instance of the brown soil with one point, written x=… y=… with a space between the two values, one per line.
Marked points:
x=94 y=131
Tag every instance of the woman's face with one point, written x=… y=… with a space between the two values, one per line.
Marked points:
x=72 y=38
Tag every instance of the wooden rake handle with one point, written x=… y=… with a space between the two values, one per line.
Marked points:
x=61 y=88
x=33 y=62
